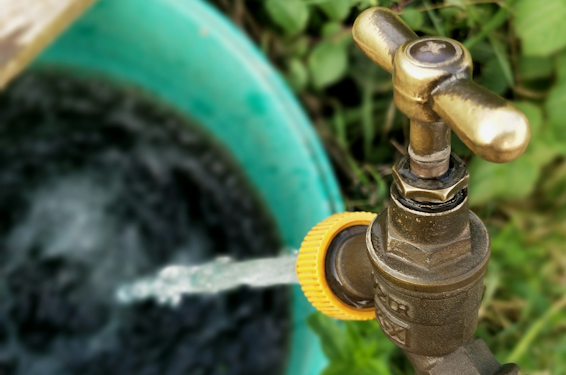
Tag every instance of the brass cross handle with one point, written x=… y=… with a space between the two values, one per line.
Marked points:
x=432 y=79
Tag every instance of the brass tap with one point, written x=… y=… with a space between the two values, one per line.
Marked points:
x=432 y=79
x=418 y=266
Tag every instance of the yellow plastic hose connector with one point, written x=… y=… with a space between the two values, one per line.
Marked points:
x=310 y=266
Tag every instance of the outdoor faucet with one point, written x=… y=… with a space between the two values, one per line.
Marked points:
x=418 y=266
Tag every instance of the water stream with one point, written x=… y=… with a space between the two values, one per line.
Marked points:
x=172 y=282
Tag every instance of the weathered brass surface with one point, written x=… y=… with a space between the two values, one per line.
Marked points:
x=433 y=264
x=472 y=359
x=432 y=84
x=489 y=125
x=379 y=32
x=423 y=239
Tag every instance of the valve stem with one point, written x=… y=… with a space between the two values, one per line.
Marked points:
x=429 y=149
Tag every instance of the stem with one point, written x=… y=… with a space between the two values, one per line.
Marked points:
x=534 y=330
x=497 y=20
x=367 y=117
x=433 y=19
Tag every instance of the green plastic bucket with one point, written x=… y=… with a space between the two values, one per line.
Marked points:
x=190 y=56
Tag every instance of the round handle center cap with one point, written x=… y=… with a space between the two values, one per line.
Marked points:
x=433 y=51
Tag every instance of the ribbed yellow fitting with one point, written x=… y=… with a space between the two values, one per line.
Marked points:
x=310 y=266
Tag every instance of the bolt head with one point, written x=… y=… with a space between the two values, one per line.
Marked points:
x=434 y=51
x=410 y=191
x=419 y=66
x=428 y=256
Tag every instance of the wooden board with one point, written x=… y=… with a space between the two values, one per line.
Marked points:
x=28 y=26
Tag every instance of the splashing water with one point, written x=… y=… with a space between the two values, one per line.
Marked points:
x=172 y=282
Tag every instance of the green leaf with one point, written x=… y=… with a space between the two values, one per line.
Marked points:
x=359 y=348
x=502 y=58
x=376 y=366
x=459 y=147
x=486 y=28
x=338 y=368
x=543 y=147
x=297 y=74
x=364 y=4
x=556 y=110
x=457 y=3
x=386 y=3
x=332 y=336
x=434 y=19
x=298 y=46
x=555 y=106
x=534 y=67
x=413 y=17
x=336 y=9
x=541 y=26
x=328 y=63
x=331 y=29
x=490 y=181
x=291 y=15
x=561 y=67
x=493 y=77
x=368 y=367
x=482 y=52
x=339 y=125
x=450 y=14
x=534 y=114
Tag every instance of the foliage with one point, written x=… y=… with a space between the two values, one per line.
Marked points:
x=519 y=49
x=355 y=348
x=541 y=28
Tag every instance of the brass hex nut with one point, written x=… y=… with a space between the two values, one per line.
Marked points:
x=427 y=239
x=428 y=256
x=410 y=191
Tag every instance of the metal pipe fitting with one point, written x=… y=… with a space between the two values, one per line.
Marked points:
x=428 y=277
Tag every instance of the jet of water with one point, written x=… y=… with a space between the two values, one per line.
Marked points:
x=172 y=282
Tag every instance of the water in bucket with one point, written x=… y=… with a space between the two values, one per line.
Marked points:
x=101 y=186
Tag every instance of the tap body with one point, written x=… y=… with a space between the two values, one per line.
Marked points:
x=418 y=266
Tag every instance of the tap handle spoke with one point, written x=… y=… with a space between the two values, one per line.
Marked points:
x=432 y=79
